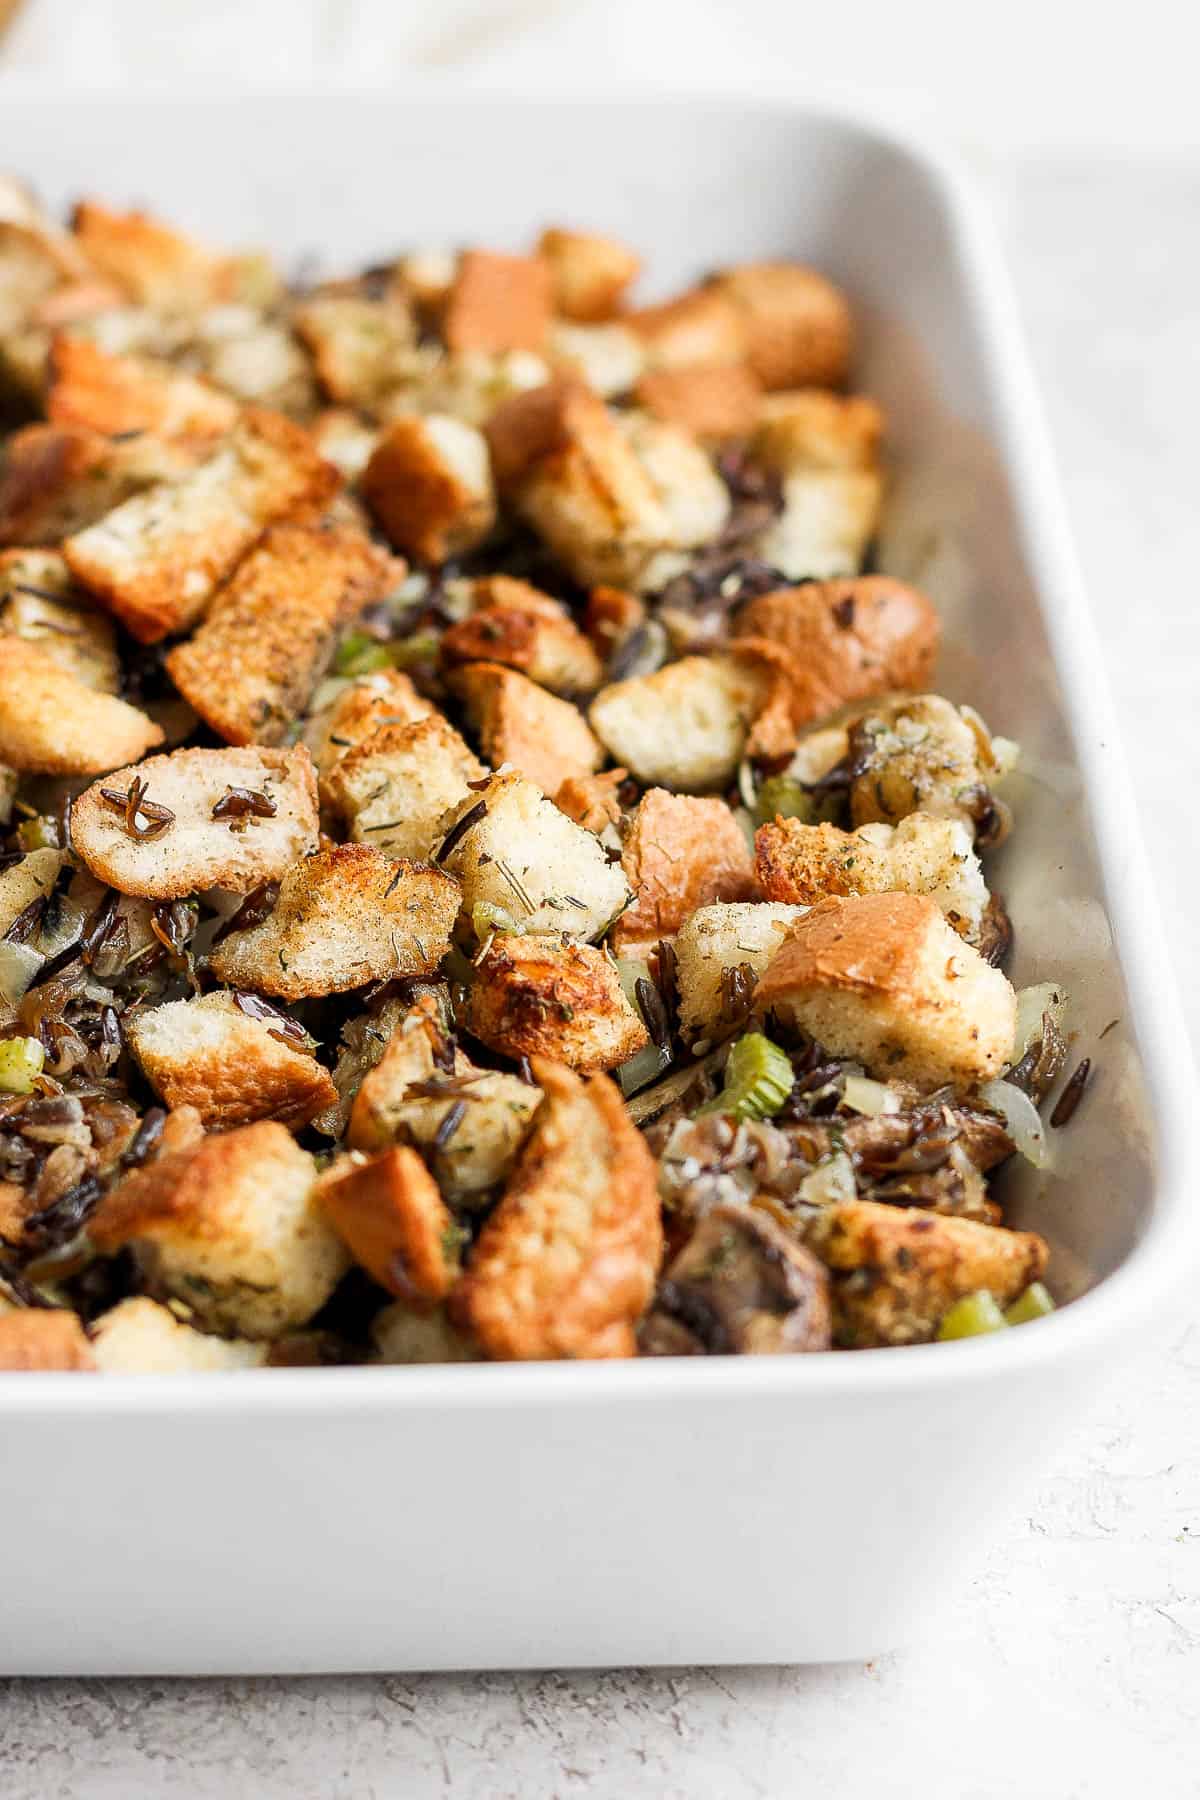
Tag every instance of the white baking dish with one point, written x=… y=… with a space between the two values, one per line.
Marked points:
x=721 y=1510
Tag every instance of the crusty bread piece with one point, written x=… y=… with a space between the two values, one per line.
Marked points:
x=497 y=303
x=722 y=400
x=154 y=264
x=514 y=624
x=269 y=633
x=828 y=519
x=521 y=724
x=362 y=348
x=608 y=358
x=687 y=726
x=898 y=1270
x=389 y=1213
x=231 y=1227
x=589 y=274
x=681 y=853
x=344 y=439
x=142 y=1337
x=547 y=996
x=96 y=391
x=720 y=952
x=699 y=328
x=406 y=1334
x=566 y=1264
x=43 y=1339
x=51 y=723
x=593 y=801
x=197 y=851
x=157 y=560
x=60 y=479
x=429 y=485
x=519 y=852
x=393 y=788
x=797 y=327
x=884 y=979
x=254 y=358
x=80 y=639
x=921 y=855
x=362 y=706
x=233 y=1067
x=36 y=261
x=692 y=494
x=423 y=1078
x=810 y=428
x=345 y=916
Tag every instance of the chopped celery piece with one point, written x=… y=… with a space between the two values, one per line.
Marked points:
x=21 y=1061
x=359 y=654
x=971 y=1317
x=1034 y=1303
x=758 y=1079
x=422 y=646
x=781 y=796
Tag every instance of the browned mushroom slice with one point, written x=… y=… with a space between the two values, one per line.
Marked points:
x=740 y=1285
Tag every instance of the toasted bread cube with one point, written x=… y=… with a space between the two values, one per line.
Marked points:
x=361 y=348
x=393 y=788
x=196 y=850
x=566 y=1264
x=547 y=996
x=156 y=561
x=593 y=801
x=154 y=264
x=408 y=1334
x=848 y=639
x=34 y=1338
x=813 y=429
x=345 y=916
x=511 y=847
x=608 y=358
x=389 y=1213
x=468 y=385
x=427 y=277
x=429 y=485
x=231 y=1065
x=687 y=726
x=269 y=632
x=921 y=855
x=58 y=479
x=498 y=303
x=681 y=853
x=526 y=630
x=720 y=952
x=700 y=328
x=797 y=327
x=362 y=706
x=423 y=1078
x=828 y=520
x=713 y=403
x=519 y=723
x=141 y=1337
x=898 y=1270
x=344 y=439
x=255 y=359
x=922 y=754
x=40 y=602
x=95 y=391
x=884 y=979
x=232 y=1228
x=589 y=274
x=689 y=489
x=51 y=723
x=33 y=267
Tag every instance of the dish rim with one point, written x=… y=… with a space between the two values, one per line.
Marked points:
x=1167 y=1251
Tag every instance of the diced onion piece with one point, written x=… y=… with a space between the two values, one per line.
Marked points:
x=21 y=1062
x=642 y=1068
x=831 y=1182
x=1044 y=997
x=1021 y=1120
x=972 y=1316
x=862 y=1095
x=1034 y=1303
x=19 y=963
x=487 y=918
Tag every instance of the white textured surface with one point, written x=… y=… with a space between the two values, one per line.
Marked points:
x=1070 y=1666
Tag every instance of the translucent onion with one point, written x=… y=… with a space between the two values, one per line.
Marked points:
x=642 y=1068
x=19 y=963
x=1044 y=997
x=830 y=1182
x=862 y=1095
x=1021 y=1120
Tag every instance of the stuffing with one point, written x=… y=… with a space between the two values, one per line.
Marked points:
x=40 y=603
x=393 y=787
x=361 y=348
x=692 y=494
x=680 y=853
x=813 y=429
x=51 y=723
x=141 y=1337
x=547 y=996
x=173 y=845
x=30 y=879
x=688 y=725
x=720 y=952
x=35 y=261
x=359 y=707
x=921 y=855
x=566 y=1264
x=613 y=619
x=231 y=1228
x=898 y=1270
x=828 y=519
x=741 y=1284
x=700 y=328
x=519 y=723
x=389 y=1213
x=254 y=358
x=497 y=303
x=45 y=1339
x=232 y=1058
x=469 y=385
x=884 y=979
x=925 y=755
x=345 y=917
x=713 y=402
x=848 y=640
x=154 y=264
x=514 y=624
x=345 y=440
x=593 y=801
x=424 y=1090
x=363 y=1041
x=94 y=391
x=269 y=632
x=404 y=1334
x=589 y=274
x=795 y=325
x=513 y=849
x=608 y=358
x=56 y=480
x=428 y=483
x=427 y=276
x=156 y=560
